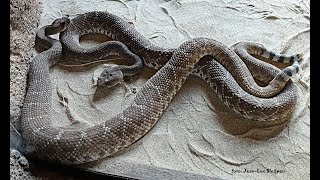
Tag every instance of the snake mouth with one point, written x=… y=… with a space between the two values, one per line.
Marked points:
x=101 y=82
x=105 y=82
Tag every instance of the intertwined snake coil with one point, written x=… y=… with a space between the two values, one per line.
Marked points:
x=230 y=78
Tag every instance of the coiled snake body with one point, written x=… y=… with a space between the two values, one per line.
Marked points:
x=234 y=86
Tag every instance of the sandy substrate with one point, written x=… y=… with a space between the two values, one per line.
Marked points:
x=197 y=133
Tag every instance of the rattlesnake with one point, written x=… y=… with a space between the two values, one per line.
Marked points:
x=80 y=146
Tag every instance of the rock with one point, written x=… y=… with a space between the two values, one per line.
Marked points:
x=24 y=17
x=19 y=166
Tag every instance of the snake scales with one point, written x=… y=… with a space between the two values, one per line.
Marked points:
x=230 y=78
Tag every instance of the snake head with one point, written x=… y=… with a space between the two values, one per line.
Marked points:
x=110 y=76
x=61 y=24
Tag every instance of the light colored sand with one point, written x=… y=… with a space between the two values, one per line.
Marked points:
x=196 y=134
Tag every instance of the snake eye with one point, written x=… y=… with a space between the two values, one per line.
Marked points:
x=63 y=24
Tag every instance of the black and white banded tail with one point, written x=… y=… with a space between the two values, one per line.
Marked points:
x=260 y=50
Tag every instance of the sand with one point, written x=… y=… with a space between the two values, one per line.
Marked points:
x=197 y=134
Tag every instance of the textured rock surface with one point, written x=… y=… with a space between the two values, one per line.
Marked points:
x=24 y=15
x=18 y=166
